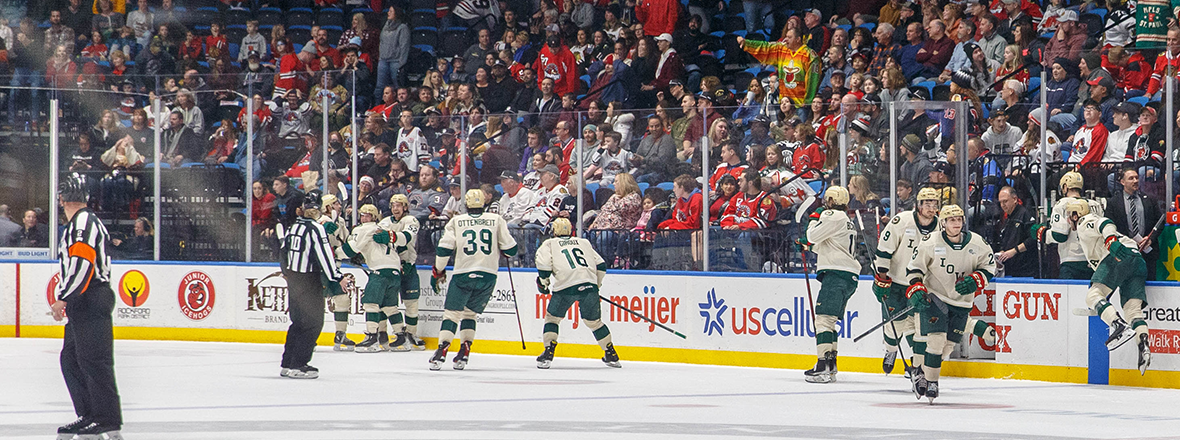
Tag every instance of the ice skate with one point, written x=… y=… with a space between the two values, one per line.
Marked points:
x=99 y=431
x=342 y=343
x=890 y=359
x=415 y=343
x=284 y=372
x=546 y=358
x=304 y=372
x=383 y=340
x=1144 y=354
x=831 y=356
x=820 y=374
x=371 y=344
x=67 y=431
x=918 y=381
x=1120 y=333
x=932 y=391
x=440 y=356
x=400 y=344
x=462 y=356
x=610 y=357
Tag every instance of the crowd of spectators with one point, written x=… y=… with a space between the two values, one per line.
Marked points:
x=544 y=97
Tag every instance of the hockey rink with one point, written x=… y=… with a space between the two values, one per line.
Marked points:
x=202 y=390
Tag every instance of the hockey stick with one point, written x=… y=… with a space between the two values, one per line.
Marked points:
x=512 y=284
x=641 y=316
x=803 y=256
x=888 y=319
x=885 y=311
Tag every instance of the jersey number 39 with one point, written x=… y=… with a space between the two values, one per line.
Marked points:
x=483 y=245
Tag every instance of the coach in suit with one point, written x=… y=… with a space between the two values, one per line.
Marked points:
x=1134 y=215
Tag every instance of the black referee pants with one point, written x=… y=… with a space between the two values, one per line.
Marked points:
x=305 y=300
x=87 y=356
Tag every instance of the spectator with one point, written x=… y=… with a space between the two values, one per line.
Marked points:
x=785 y=57
x=252 y=42
x=808 y=159
x=905 y=195
x=1130 y=71
x=1089 y=142
x=58 y=34
x=122 y=154
x=78 y=19
x=291 y=69
x=548 y=202
x=1068 y=40
x=140 y=245
x=960 y=58
x=908 y=54
x=370 y=40
x=180 y=144
x=32 y=234
x=861 y=196
x=655 y=155
x=916 y=167
x=382 y=158
x=614 y=161
x=1014 y=246
x=85 y=157
x=106 y=20
x=556 y=62
x=623 y=208
x=658 y=16
x=731 y=164
x=1010 y=99
x=324 y=49
x=1125 y=116
x=60 y=70
x=936 y=50
x=686 y=215
x=286 y=199
x=886 y=48
x=1001 y=137
x=1146 y=147
x=668 y=68
x=429 y=197
x=516 y=199
x=8 y=228
x=1167 y=62
x=1134 y=214
x=727 y=189
x=140 y=20
x=1100 y=92
x=1062 y=91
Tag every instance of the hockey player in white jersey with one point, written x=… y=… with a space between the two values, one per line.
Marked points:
x=339 y=301
x=378 y=247
x=830 y=234
x=895 y=250
x=476 y=240
x=947 y=270
x=571 y=268
x=405 y=324
x=1074 y=265
x=1117 y=264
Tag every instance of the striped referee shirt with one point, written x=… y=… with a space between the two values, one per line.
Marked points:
x=307 y=250
x=82 y=255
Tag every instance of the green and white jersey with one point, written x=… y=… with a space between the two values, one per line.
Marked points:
x=1094 y=231
x=1060 y=231
x=570 y=261
x=833 y=239
x=899 y=239
x=337 y=238
x=408 y=223
x=940 y=264
x=476 y=241
x=377 y=256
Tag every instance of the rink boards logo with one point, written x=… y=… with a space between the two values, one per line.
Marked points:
x=196 y=295
x=793 y=320
x=269 y=295
x=1027 y=306
x=134 y=289
x=661 y=309
x=51 y=289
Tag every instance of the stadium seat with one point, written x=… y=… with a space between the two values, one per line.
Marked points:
x=846 y=27
x=734 y=23
x=817 y=186
x=499 y=188
x=425 y=35
x=334 y=33
x=233 y=50
x=299 y=4
x=666 y=186
x=643 y=186
x=1101 y=13
x=235 y=33
x=479 y=164
x=269 y=16
x=592 y=187
x=236 y=16
x=601 y=195
x=1141 y=100
x=416 y=5
x=453 y=43
x=870 y=26
x=331 y=17
x=299 y=17
x=423 y=19
x=299 y=34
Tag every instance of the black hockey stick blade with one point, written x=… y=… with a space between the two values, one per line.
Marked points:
x=882 y=323
x=645 y=318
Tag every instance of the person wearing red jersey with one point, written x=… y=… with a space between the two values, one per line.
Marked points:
x=1003 y=12
x=1167 y=63
x=556 y=62
x=323 y=49
x=215 y=39
x=687 y=213
x=1089 y=143
x=808 y=159
x=731 y=164
x=751 y=208
x=291 y=68
x=658 y=16
x=1129 y=69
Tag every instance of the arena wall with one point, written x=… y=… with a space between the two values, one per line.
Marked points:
x=758 y=320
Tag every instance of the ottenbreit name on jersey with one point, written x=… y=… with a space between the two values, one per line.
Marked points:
x=463 y=223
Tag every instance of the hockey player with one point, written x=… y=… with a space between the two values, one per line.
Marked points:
x=576 y=271
x=339 y=302
x=378 y=247
x=1059 y=230
x=1117 y=264
x=831 y=235
x=400 y=220
x=894 y=251
x=947 y=270
x=476 y=240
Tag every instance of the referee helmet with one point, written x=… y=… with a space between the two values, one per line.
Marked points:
x=74 y=188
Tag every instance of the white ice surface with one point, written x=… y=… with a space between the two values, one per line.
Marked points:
x=198 y=390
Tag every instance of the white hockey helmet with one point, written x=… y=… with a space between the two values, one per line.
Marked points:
x=837 y=195
x=474 y=198
x=371 y=210
x=950 y=211
x=1071 y=180
x=400 y=198
x=927 y=194
x=1080 y=207
x=561 y=227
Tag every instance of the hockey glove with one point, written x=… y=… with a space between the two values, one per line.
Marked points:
x=437 y=277
x=803 y=244
x=1120 y=251
x=1038 y=231
x=881 y=286
x=917 y=297
x=965 y=286
x=543 y=285
x=331 y=227
x=381 y=237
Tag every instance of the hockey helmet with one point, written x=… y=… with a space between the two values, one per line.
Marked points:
x=74 y=188
x=950 y=211
x=1078 y=206
x=313 y=200
x=1071 y=180
x=400 y=198
x=561 y=227
x=837 y=195
x=371 y=210
x=328 y=199
x=474 y=198
x=927 y=194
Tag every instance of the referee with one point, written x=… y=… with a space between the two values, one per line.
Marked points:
x=84 y=293
x=309 y=267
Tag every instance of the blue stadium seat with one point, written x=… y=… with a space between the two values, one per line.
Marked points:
x=163 y=165
x=330 y=17
x=643 y=186
x=817 y=186
x=1101 y=13
x=1141 y=100
x=299 y=17
x=499 y=188
x=1034 y=83
x=846 y=27
x=666 y=186
x=592 y=187
x=479 y=164
x=869 y=26
x=233 y=50
x=929 y=85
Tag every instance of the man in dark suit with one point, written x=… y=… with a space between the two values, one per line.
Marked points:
x=1134 y=215
x=1015 y=247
